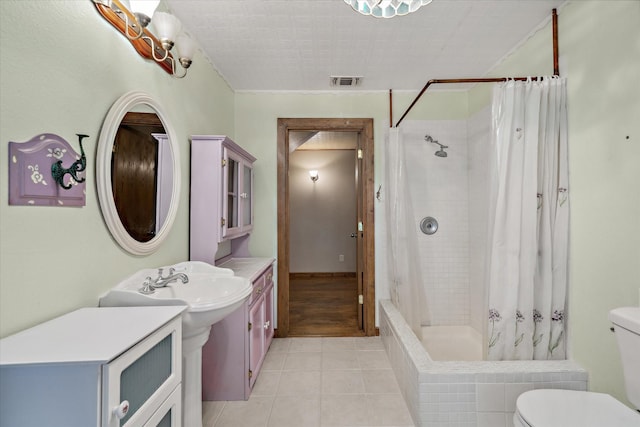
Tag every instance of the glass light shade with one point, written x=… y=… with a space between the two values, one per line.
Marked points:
x=166 y=25
x=146 y=7
x=185 y=46
x=386 y=8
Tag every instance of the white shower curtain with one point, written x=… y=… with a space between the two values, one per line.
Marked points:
x=403 y=264
x=528 y=238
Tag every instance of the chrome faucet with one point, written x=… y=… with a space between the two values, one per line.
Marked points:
x=150 y=285
x=161 y=282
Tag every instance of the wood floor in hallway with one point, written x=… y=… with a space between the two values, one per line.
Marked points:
x=323 y=306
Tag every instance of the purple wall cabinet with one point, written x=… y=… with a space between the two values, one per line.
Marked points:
x=30 y=176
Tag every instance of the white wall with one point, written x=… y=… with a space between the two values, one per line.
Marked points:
x=322 y=213
x=61 y=68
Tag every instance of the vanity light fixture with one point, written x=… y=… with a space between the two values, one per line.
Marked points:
x=313 y=174
x=133 y=22
x=386 y=8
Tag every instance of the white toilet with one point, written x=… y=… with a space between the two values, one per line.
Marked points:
x=568 y=408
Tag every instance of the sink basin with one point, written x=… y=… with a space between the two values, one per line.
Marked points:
x=211 y=293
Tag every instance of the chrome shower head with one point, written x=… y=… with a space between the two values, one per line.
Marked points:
x=440 y=152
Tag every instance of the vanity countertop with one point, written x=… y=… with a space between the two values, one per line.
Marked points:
x=250 y=268
x=91 y=335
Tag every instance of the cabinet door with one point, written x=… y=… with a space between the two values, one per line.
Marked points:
x=256 y=338
x=144 y=376
x=169 y=414
x=246 y=197
x=268 y=315
x=231 y=193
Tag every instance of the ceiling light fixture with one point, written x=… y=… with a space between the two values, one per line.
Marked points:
x=132 y=19
x=386 y=8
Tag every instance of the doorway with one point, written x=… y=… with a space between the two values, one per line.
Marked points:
x=363 y=225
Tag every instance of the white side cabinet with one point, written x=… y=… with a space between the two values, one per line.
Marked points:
x=221 y=194
x=233 y=356
x=104 y=367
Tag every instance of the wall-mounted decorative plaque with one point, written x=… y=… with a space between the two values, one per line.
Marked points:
x=46 y=171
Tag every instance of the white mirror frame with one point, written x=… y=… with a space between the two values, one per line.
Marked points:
x=103 y=173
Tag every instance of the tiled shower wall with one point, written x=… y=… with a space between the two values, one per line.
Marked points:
x=455 y=191
x=439 y=188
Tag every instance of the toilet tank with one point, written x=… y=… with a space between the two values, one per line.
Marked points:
x=626 y=322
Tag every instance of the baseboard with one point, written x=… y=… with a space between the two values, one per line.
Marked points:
x=349 y=275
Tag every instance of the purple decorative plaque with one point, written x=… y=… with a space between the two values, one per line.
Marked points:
x=30 y=179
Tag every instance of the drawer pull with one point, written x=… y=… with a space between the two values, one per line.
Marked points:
x=121 y=410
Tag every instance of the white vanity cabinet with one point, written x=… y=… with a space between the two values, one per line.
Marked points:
x=105 y=367
x=221 y=194
x=233 y=356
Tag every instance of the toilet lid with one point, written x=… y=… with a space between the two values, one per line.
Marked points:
x=566 y=408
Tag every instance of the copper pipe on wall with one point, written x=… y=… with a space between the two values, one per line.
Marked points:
x=554 y=25
x=473 y=80
x=554 y=22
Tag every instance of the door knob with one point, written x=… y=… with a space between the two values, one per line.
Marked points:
x=353 y=235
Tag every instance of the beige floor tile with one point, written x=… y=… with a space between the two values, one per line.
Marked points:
x=210 y=412
x=373 y=360
x=388 y=410
x=344 y=410
x=342 y=382
x=368 y=343
x=340 y=360
x=279 y=345
x=380 y=381
x=338 y=344
x=299 y=383
x=273 y=362
x=254 y=412
x=305 y=344
x=266 y=384
x=303 y=361
x=293 y=411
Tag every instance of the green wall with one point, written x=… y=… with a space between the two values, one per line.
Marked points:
x=61 y=68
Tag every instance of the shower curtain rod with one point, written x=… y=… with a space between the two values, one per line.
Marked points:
x=556 y=71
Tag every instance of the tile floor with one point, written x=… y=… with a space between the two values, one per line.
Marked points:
x=318 y=382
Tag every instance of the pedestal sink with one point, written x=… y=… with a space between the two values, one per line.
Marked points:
x=210 y=294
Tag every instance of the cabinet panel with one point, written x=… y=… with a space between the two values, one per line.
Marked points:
x=169 y=413
x=144 y=376
x=256 y=338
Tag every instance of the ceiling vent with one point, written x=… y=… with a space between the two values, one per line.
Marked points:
x=345 y=81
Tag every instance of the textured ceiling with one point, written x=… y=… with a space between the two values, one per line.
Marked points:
x=298 y=44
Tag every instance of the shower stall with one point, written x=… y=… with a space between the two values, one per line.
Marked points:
x=437 y=326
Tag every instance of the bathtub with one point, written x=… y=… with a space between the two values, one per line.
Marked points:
x=444 y=392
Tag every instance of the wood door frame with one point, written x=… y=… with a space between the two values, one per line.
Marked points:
x=365 y=128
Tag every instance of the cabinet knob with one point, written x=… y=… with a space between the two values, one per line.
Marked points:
x=121 y=410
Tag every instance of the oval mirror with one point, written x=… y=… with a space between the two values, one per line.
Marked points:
x=138 y=173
